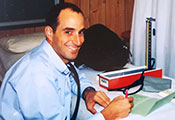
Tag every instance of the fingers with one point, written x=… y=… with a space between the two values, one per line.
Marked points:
x=91 y=109
x=96 y=97
x=119 y=98
x=101 y=98
x=132 y=104
x=127 y=101
x=130 y=99
x=90 y=102
x=118 y=108
x=90 y=106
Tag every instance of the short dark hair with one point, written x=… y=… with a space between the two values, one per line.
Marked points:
x=53 y=14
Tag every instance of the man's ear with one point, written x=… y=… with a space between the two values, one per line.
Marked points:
x=49 y=34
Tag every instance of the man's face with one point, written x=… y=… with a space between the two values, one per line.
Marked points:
x=69 y=35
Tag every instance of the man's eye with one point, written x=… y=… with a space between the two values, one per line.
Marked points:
x=68 y=32
x=81 y=32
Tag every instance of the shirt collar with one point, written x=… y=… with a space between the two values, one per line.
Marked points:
x=54 y=58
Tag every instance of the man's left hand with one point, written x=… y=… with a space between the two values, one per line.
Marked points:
x=91 y=97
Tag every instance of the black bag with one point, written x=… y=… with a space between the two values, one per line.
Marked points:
x=102 y=49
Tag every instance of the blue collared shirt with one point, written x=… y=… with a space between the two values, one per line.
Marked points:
x=39 y=86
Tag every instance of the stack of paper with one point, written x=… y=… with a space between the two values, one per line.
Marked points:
x=144 y=105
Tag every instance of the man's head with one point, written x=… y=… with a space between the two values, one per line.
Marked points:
x=64 y=30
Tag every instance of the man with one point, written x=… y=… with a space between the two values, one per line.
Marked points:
x=39 y=85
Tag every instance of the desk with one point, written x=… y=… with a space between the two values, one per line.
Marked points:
x=165 y=112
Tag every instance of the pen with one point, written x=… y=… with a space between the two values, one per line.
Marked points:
x=126 y=93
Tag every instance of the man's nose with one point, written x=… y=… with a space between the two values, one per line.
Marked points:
x=78 y=40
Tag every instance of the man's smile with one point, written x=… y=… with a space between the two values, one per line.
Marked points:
x=73 y=48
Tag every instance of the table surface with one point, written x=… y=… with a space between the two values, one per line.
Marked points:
x=167 y=111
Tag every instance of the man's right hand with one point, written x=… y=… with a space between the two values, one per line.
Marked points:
x=119 y=107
